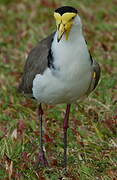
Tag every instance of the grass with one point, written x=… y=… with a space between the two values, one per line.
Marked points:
x=92 y=133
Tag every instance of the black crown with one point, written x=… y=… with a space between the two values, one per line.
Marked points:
x=65 y=9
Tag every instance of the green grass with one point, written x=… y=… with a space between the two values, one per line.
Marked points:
x=92 y=133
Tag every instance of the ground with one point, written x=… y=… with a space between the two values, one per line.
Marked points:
x=92 y=130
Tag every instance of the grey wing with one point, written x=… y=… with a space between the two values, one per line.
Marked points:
x=96 y=71
x=36 y=63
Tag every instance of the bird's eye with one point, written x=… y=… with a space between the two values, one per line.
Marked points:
x=73 y=17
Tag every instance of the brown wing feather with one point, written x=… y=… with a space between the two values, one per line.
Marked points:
x=36 y=63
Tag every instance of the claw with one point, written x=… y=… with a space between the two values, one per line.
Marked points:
x=42 y=159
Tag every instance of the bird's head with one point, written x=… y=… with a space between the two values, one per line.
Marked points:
x=65 y=18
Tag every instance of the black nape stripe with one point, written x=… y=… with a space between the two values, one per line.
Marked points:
x=50 y=55
x=66 y=9
x=91 y=59
x=50 y=59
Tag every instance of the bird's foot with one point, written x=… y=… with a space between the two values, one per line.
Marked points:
x=42 y=159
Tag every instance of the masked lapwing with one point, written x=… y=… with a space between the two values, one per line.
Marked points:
x=60 y=69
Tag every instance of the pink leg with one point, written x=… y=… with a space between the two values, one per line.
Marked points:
x=65 y=127
x=42 y=157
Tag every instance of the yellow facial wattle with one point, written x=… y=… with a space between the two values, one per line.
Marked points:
x=64 y=23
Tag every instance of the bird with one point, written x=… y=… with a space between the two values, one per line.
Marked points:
x=60 y=70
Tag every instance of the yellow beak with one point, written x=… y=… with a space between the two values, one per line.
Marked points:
x=64 y=28
x=61 y=31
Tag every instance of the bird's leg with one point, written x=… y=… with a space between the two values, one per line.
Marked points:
x=42 y=157
x=65 y=127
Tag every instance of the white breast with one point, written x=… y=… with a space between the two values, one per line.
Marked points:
x=73 y=75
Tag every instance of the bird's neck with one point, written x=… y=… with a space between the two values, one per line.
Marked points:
x=75 y=33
